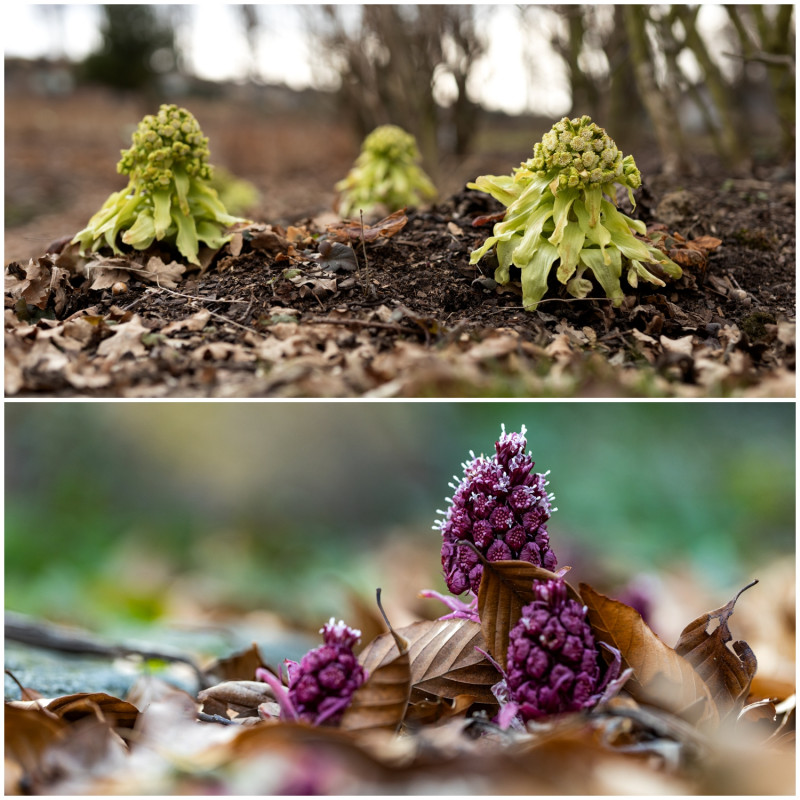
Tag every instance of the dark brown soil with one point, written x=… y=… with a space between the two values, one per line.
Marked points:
x=416 y=319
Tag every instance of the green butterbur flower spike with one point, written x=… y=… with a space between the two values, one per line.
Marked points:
x=168 y=197
x=561 y=208
x=385 y=173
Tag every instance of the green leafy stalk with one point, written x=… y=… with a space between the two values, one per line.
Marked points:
x=168 y=197
x=561 y=207
x=386 y=173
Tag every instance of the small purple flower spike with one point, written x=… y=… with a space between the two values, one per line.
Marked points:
x=554 y=664
x=501 y=506
x=322 y=684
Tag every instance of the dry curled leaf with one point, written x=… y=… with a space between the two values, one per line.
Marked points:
x=355 y=231
x=77 y=706
x=240 y=666
x=39 y=283
x=335 y=257
x=727 y=674
x=266 y=238
x=126 y=340
x=660 y=677
x=506 y=586
x=443 y=657
x=380 y=703
x=167 y=275
x=241 y=696
x=29 y=732
x=687 y=253
x=74 y=707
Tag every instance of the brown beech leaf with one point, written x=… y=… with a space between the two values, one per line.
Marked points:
x=444 y=661
x=28 y=733
x=266 y=238
x=380 y=703
x=727 y=674
x=39 y=283
x=661 y=677
x=425 y=710
x=506 y=586
x=73 y=707
x=239 y=696
x=167 y=275
x=386 y=228
x=240 y=666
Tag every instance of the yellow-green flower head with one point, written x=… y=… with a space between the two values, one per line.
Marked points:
x=172 y=138
x=581 y=153
x=168 y=198
x=392 y=143
x=561 y=208
x=386 y=173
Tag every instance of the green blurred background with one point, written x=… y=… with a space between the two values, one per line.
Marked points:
x=136 y=512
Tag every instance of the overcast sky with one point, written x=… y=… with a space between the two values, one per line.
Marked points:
x=215 y=48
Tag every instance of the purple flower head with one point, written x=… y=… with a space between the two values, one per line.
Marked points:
x=322 y=684
x=501 y=506
x=554 y=664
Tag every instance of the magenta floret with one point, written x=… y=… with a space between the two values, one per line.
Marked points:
x=501 y=506
x=554 y=664
x=322 y=684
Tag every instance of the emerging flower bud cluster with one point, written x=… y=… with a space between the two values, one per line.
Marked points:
x=561 y=208
x=386 y=173
x=322 y=684
x=583 y=153
x=501 y=507
x=168 y=197
x=553 y=663
x=164 y=143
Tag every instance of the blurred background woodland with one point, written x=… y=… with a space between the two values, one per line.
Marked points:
x=118 y=514
x=286 y=93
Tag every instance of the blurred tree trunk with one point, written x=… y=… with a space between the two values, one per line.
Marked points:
x=460 y=25
x=252 y=26
x=729 y=136
x=389 y=66
x=623 y=106
x=773 y=43
x=663 y=117
x=585 y=92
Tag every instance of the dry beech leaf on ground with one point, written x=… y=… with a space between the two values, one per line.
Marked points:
x=241 y=696
x=661 y=677
x=444 y=660
x=40 y=282
x=125 y=341
x=77 y=706
x=240 y=666
x=505 y=589
x=266 y=238
x=728 y=675
x=104 y=272
x=355 y=231
x=335 y=257
x=29 y=731
x=380 y=703
x=167 y=275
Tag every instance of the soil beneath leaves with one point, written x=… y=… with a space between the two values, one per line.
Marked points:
x=407 y=316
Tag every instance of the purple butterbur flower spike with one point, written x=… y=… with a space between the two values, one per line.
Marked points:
x=322 y=684
x=501 y=507
x=554 y=665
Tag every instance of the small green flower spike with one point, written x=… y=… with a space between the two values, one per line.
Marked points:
x=385 y=173
x=168 y=197
x=561 y=207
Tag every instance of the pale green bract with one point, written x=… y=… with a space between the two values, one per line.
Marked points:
x=386 y=173
x=168 y=197
x=561 y=207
